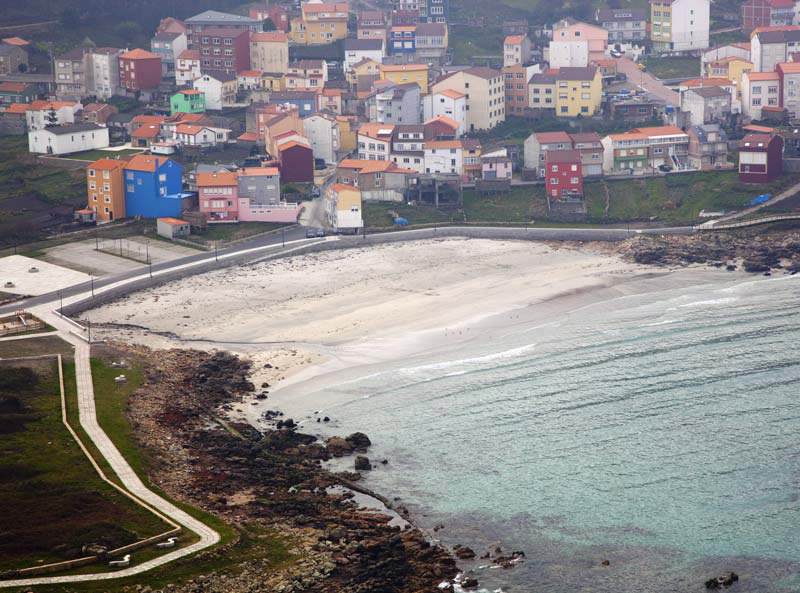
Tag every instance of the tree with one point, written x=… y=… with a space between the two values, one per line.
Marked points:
x=268 y=25
x=51 y=118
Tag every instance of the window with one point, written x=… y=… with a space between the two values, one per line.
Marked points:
x=107 y=199
x=129 y=175
x=129 y=188
x=106 y=175
x=553 y=181
x=573 y=167
x=554 y=168
x=565 y=109
x=92 y=185
x=573 y=180
x=228 y=41
x=91 y=172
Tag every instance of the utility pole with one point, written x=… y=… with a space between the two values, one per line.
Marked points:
x=216 y=255
x=89 y=326
x=91 y=279
x=61 y=306
x=283 y=238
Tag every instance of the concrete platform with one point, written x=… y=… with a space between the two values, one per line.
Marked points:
x=50 y=277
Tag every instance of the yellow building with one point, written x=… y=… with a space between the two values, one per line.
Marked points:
x=106 y=189
x=579 y=91
x=732 y=68
x=320 y=23
x=348 y=134
x=405 y=73
x=366 y=67
x=272 y=81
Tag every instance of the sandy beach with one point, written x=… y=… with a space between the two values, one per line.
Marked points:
x=308 y=316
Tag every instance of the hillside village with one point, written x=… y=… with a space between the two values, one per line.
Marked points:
x=229 y=118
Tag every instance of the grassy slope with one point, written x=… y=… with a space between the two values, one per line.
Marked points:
x=667 y=68
x=53 y=484
x=675 y=199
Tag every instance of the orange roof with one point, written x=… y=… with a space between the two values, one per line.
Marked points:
x=13 y=87
x=628 y=136
x=444 y=144
x=15 y=41
x=761 y=129
x=790 y=67
x=172 y=221
x=146 y=131
x=742 y=45
x=403 y=67
x=249 y=73
x=248 y=136
x=707 y=82
x=214 y=179
x=138 y=54
x=270 y=36
x=326 y=7
x=47 y=105
x=658 y=131
x=445 y=120
x=148 y=119
x=514 y=39
x=183 y=118
x=145 y=162
x=189 y=128
x=107 y=164
x=189 y=92
x=343 y=187
x=366 y=166
x=765 y=29
x=763 y=76
x=451 y=93
x=17 y=108
x=378 y=131
x=258 y=171
x=189 y=54
x=288 y=145
x=404 y=28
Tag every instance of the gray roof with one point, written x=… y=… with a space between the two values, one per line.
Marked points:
x=363 y=44
x=221 y=75
x=215 y=17
x=166 y=36
x=75 y=54
x=74 y=128
x=577 y=73
x=711 y=91
x=778 y=36
x=431 y=29
x=703 y=131
x=620 y=14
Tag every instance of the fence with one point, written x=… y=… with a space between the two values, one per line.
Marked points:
x=19 y=323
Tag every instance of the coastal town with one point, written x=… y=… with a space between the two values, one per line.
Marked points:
x=331 y=108
x=228 y=229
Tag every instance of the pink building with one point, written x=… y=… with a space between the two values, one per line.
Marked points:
x=219 y=196
x=570 y=30
x=496 y=167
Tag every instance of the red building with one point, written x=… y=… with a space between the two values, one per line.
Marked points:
x=224 y=49
x=766 y=13
x=563 y=174
x=296 y=160
x=275 y=12
x=139 y=70
x=760 y=158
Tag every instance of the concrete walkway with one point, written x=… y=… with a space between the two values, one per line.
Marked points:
x=88 y=420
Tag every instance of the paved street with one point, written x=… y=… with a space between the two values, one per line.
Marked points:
x=646 y=81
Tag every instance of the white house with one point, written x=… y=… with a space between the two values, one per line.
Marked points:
x=194 y=135
x=447 y=103
x=680 y=25
x=568 y=54
x=356 y=50
x=37 y=113
x=770 y=48
x=375 y=141
x=220 y=88
x=187 y=67
x=104 y=71
x=444 y=156
x=67 y=139
x=398 y=104
x=322 y=130
x=344 y=203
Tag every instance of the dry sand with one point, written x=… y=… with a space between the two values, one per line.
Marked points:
x=354 y=306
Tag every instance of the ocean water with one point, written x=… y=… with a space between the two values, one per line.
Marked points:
x=659 y=431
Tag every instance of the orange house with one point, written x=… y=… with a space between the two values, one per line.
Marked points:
x=105 y=188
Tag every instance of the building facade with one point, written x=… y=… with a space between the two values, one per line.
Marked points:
x=105 y=189
x=760 y=158
x=679 y=25
x=139 y=70
x=484 y=91
x=623 y=24
x=153 y=187
x=563 y=174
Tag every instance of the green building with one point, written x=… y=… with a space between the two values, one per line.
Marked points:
x=16 y=92
x=189 y=101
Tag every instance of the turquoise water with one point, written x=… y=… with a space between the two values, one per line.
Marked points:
x=657 y=430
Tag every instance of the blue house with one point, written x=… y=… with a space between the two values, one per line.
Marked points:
x=153 y=187
x=403 y=39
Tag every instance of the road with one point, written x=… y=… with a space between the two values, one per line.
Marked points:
x=647 y=82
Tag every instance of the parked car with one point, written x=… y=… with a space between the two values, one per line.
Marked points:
x=315 y=192
x=310 y=233
x=616 y=54
x=664 y=168
x=320 y=232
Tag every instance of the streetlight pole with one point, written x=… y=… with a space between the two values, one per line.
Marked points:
x=216 y=255
x=283 y=238
x=91 y=279
x=61 y=305
x=89 y=326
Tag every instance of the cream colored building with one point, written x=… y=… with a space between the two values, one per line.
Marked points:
x=269 y=52
x=484 y=91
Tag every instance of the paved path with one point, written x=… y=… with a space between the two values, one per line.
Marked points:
x=647 y=82
x=787 y=193
x=88 y=420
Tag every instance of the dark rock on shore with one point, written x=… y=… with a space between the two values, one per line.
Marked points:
x=723 y=581
x=362 y=463
x=359 y=441
x=464 y=553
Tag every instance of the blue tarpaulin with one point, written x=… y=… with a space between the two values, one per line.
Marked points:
x=401 y=221
x=759 y=200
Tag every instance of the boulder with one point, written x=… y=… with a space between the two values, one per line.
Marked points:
x=464 y=553
x=362 y=463
x=359 y=441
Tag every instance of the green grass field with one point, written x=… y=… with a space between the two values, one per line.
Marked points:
x=54 y=500
x=376 y=214
x=522 y=204
x=675 y=199
x=666 y=68
x=93 y=155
